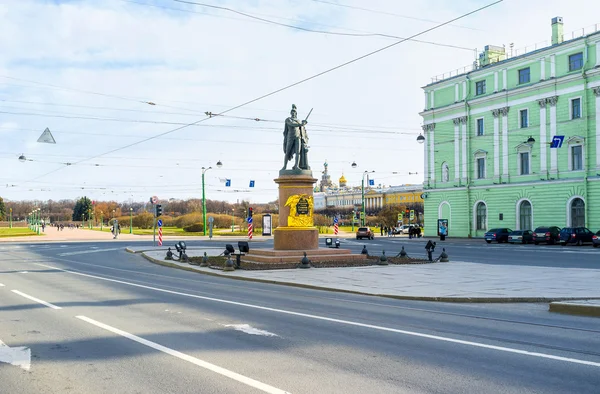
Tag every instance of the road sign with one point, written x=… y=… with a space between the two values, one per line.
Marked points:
x=371 y=182
x=400 y=217
x=362 y=215
x=159 y=223
x=154 y=199
x=335 y=226
x=249 y=220
x=211 y=219
x=227 y=182
x=251 y=183
x=557 y=141
x=412 y=214
x=47 y=137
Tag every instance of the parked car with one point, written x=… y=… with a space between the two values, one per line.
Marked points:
x=596 y=239
x=549 y=235
x=521 y=236
x=364 y=232
x=575 y=235
x=497 y=234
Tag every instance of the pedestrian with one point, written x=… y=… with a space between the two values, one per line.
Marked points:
x=381 y=228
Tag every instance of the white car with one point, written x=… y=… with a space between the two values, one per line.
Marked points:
x=404 y=228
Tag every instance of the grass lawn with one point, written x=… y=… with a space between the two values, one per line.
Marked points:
x=148 y=231
x=16 y=232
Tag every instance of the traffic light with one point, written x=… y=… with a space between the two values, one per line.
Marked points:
x=407 y=212
x=158 y=210
x=249 y=212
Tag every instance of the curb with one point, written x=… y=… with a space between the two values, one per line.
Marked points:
x=575 y=309
x=473 y=300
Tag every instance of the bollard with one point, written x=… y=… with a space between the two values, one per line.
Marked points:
x=444 y=257
x=169 y=254
x=403 y=253
x=364 y=250
x=382 y=259
x=229 y=264
x=305 y=262
x=204 y=262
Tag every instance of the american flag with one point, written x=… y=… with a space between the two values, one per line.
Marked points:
x=335 y=226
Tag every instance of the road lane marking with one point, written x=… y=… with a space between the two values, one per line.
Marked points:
x=19 y=356
x=1 y=285
x=345 y=322
x=196 y=361
x=248 y=329
x=88 y=251
x=49 y=305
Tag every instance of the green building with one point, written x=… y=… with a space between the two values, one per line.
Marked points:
x=515 y=141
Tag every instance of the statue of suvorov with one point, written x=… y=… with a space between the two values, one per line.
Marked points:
x=295 y=142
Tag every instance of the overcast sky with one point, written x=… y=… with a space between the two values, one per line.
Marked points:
x=86 y=70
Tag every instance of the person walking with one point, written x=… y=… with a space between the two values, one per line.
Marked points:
x=381 y=228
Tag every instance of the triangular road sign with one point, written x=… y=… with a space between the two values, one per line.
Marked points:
x=47 y=137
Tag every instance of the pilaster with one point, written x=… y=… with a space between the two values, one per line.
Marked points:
x=456 y=148
x=463 y=125
x=596 y=92
x=504 y=112
x=551 y=101
x=543 y=138
x=496 y=114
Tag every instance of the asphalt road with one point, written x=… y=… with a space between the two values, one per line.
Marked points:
x=99 y=320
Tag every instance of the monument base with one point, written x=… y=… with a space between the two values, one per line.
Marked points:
x=270 y=256
x=296 y=238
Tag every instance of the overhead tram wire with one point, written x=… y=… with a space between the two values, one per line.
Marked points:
x=327 y=71
x=318 y=31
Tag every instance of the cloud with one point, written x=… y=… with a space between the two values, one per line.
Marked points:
x=208 y=60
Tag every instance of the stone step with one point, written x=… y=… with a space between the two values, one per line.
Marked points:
x=296 y=258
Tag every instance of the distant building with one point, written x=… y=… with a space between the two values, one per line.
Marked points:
x=325 y=183
x=319 y=201
x=375 y=198
x=342 y=181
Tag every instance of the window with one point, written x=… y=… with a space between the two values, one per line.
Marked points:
x=576 y=61
x=525 y=215
x=480 y=88
x=577 y=213
x=480 y=128
x=481 y=168
x=524 y=118
x=524 y=161
x=481 y=216
x=576 y=108
x=524 y=75
x=576 y=158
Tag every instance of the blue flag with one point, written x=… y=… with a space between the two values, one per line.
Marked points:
x=227 y=182
x=251 y=183
x=371 y=182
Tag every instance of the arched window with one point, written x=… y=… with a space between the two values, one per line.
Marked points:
x=481 y=216
x=577 y=213
x=525 y=216
x=445 y=172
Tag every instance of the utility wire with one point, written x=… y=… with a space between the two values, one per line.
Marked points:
x=288 y=86
x=317 y=31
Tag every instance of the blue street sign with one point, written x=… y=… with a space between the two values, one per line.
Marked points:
x=251 y=183
x=557 y=141
x=249 y=220
x=227 y=182
x=335 y=220
x=159 y=223
x=371 y=182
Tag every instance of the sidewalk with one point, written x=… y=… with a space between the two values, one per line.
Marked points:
x=454 y=281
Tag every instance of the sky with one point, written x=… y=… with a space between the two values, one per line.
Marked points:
x=124 y=86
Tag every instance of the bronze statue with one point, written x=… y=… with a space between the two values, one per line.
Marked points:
x=295 y=141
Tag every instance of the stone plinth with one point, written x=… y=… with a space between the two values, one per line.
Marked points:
x=289 y=235
x=291 y=256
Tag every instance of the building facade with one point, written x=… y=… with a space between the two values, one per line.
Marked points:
x=516 y=142
x=375 y=198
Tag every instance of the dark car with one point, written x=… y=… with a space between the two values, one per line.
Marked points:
x=575 y=235
x=521 y=236
x=596 y=239
x=497 y=234
x=549 y=235
x=364 y=232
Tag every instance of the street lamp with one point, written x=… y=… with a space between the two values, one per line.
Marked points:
x=219 y=165
x=364 y=215
x=10 y=217
x=420 y=139
x=38 y=220
x=130 y=220
x=232 y=218
x=101 y=220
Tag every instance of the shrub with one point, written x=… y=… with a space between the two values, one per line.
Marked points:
x=194 y=228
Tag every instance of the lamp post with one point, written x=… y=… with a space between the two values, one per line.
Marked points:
x=10 y=218
x=101 y=220
x=364 y=215
x=232 y=218
x=130 y=220
x=219 y=164
x=38 y=220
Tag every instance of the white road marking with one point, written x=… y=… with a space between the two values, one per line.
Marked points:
x=201 y=363
x=19 y=356
x=248 y=329
x=49 y=305
x=1 y=285
x=346 y=322
x=88 y=251
x=24 y=272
